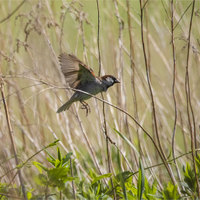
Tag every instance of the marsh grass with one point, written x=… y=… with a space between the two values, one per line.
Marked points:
x=144 y=112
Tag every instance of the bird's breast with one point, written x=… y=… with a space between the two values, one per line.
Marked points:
x=93 y=88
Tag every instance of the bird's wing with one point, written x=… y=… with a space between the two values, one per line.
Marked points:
x=75 y=71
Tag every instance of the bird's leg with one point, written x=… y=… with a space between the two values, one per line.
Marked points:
x=86 y=107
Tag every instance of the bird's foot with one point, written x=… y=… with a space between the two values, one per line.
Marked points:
x=86 y=107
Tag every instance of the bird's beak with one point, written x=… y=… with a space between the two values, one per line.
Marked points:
x=117 y=81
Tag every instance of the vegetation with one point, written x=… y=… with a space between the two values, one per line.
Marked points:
x=141 y=139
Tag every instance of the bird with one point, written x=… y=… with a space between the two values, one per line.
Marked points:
x=81 y=77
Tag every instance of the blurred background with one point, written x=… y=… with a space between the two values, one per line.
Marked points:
x=31 y=40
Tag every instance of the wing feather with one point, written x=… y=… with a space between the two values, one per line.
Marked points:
x=75 y=71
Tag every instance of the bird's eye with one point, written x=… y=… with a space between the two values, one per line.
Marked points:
x=109 y=79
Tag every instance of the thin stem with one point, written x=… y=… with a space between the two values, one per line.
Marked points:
x=182 y=16
x=189 y=103
x=9 y=196
x=72 y=174
x=173 y=88
x=132 y=65
x=103 y=110
x=62 y=27
x=98 y=39
x=13 y=12
x=89 y=145
x=83 y=39
x=10 y=132
x=163 y=157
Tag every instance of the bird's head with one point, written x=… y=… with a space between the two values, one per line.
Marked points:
x=109 y=80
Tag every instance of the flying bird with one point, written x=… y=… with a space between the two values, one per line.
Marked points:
x=80 y=76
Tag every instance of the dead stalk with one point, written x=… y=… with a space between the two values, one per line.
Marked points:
x=173 y=88
x=10 y=132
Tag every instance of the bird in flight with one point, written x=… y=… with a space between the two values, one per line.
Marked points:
x=80 y=76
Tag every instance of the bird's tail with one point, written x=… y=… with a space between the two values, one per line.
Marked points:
x=65 y=106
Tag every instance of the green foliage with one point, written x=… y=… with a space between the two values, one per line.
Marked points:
x=29 y=195
x=150 y=191
x=140 y=185
x=124 y=186
x=96 y=189
x=101 y=187
x=105 y=186
x=121 y=177
x=190 y=184
x=171 y=192
x=58 y=175
x=4 y=190
x=197 y=159
x=189 y=178
x=126 y=189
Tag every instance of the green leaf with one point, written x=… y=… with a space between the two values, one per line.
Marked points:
x=29 y=195
x=150 y=191
x=189 y=177
x=39 y=166
x=53 y=143
x=130 y=188
x=98 y=178
x=171 y=192
x=69 y=178
x=57 y=163
x=67 y=158
x=140 y=185
x=92 y=174
x=125 y=175
x=98 y=189
x=197 y=159
x=51 y=161
x=59 y=176
x=127 y=140
x=58 y=173
x=122 y=180
x=59 y=154
x=41 y=179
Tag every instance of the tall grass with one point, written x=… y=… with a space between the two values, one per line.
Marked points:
x=153 y=47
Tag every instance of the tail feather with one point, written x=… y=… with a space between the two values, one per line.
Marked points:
x=65 y=106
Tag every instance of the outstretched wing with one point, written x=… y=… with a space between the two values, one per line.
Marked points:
x=75 y=71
